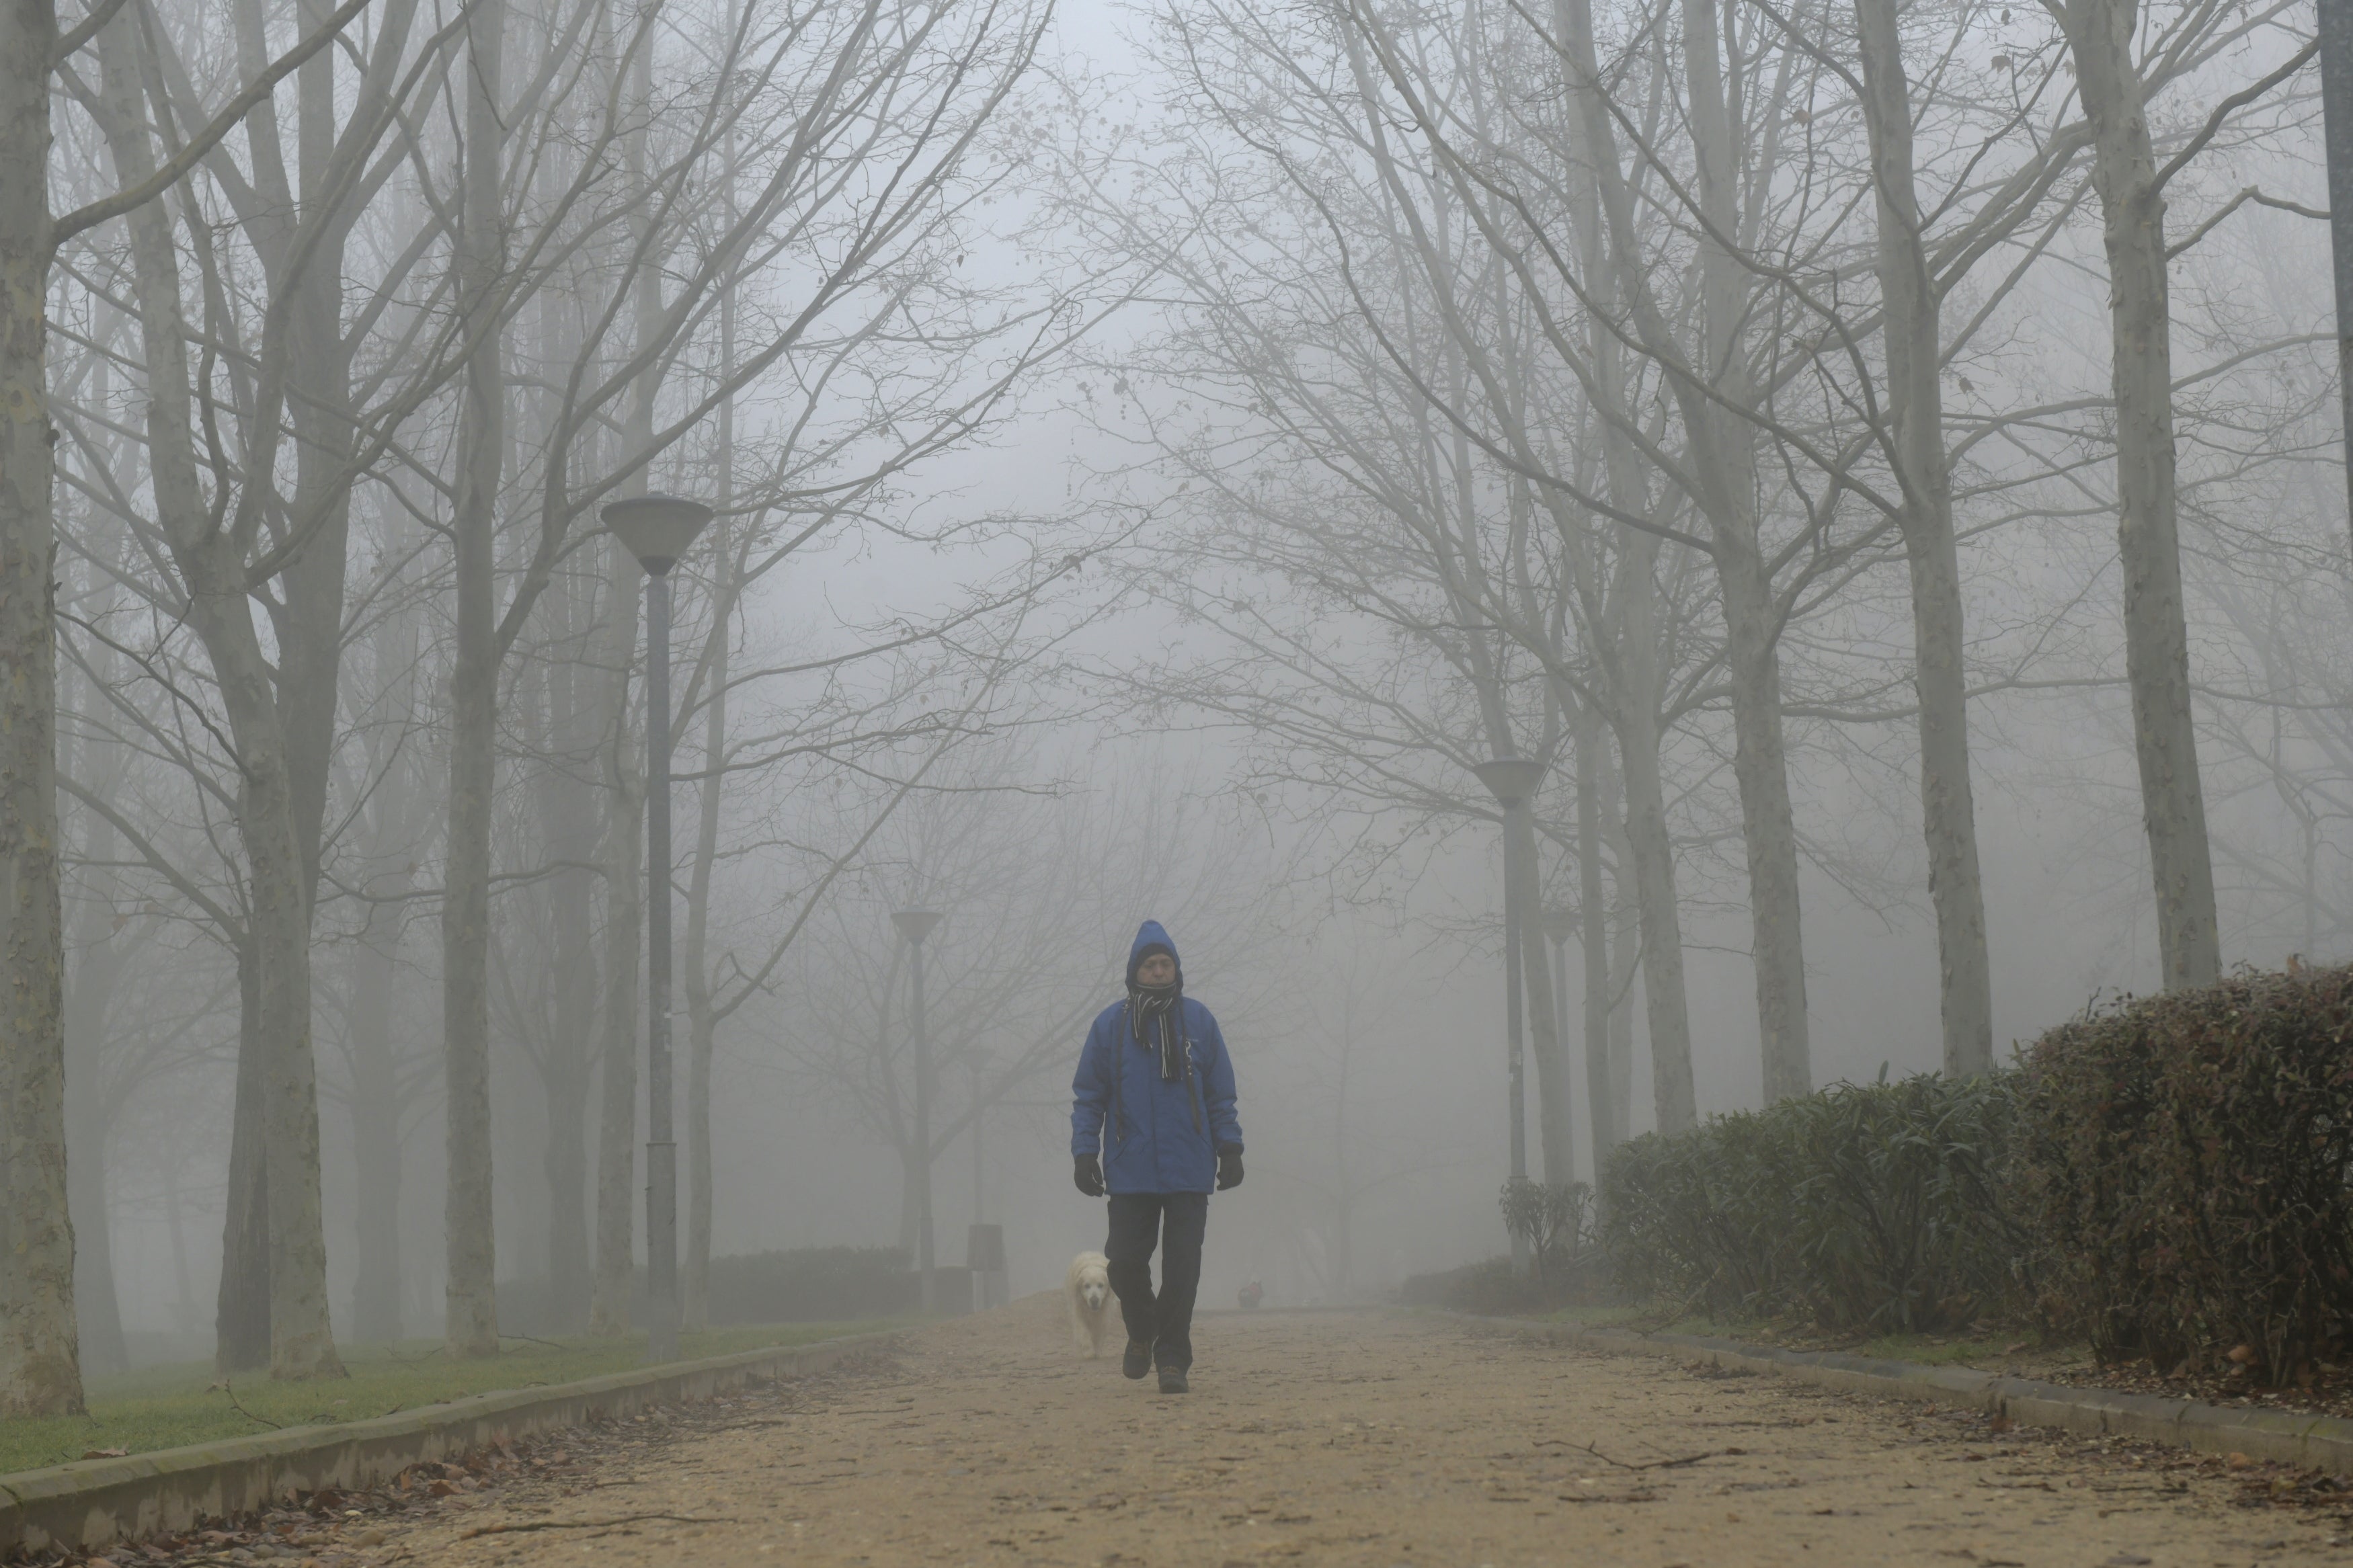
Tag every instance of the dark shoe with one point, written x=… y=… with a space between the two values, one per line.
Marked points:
x=1138 y=1359
x=1172 y=1380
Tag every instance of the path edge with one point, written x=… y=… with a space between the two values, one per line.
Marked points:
x=91 y=1503
x=2308 y=1442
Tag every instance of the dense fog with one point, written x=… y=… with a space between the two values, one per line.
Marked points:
x=1156 y=452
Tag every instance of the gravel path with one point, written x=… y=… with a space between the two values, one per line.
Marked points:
x=1356 y=1438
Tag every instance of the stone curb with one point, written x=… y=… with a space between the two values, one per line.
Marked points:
x=2307 y=1442
x=90 y=1503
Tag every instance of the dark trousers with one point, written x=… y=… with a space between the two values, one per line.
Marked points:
x=1176 y=1222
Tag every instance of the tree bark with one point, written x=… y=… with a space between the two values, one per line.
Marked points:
x=472 y=1326
x=568 y=812
x=1665 y=997
x=220 y=610
x=376 y=1120
x=1593 y=942
x=2157 y=637
x=1606 y=235
x=1722 y=449
x=95 y=970
x=311 y=622
x=241 y=1308
x=701 y=1020
x=40 y=1370
x=391 y=821
x=1625 y=944
x=1915 y=413
x=702 y=1023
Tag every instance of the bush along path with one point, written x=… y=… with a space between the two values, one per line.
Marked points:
x=1310 y=1439
x=2167 y=1180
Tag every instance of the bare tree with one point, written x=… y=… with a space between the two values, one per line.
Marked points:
x=40 y=1372
x=2117 y=88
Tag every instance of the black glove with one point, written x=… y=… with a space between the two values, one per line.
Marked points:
x=1229 y=1168
x=1087 y=1172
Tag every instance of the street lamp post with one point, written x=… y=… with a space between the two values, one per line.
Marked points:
x=1512 y=781
x=916 y=925
x=656 y=529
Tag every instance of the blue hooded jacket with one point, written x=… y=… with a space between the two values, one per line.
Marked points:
x=1154 y=1136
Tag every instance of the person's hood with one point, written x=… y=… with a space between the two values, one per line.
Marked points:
x=1152 y=933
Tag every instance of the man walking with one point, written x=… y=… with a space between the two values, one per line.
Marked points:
x=1152 y=1122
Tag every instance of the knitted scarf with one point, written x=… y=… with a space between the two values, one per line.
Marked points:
x=1153 y=1010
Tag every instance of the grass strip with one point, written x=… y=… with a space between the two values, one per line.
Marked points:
x=172 y=1406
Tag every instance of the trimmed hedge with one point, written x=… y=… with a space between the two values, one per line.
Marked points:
x=1867 y=1207
x=2184 y=1162
x=2169 y=1177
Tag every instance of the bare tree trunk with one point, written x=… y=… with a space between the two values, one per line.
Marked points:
x=319 y=376
x=392 y=818
x=472 y=1320
x=1915 y=411
x=1625 y=945
x=624 y=855
x=375 y=1119
x=97 y=969
x=2100 y=35
x=569 y=1274
x=185 y=1312
x=1593 y=940
x=571 y=1057
x=702 y=1021
x=1721 y=452
x=1722 y=449
x=1664 y=995
x=241 y=1312
x=1632 y=637
x=220 y=610
x=568 y=809
x=1769 y=828
x=40 y=1371
x=911 y=1203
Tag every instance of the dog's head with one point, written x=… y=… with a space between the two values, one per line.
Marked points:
x=1094 y=1288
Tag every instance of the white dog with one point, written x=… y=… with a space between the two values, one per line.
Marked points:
x=1094 y=1307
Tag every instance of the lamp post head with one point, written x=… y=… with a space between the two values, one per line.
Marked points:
x=1511 y=780
x=656 y=529
x=1559 y=925
x=915 y=924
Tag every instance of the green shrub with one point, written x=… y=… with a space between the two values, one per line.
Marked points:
x=1901 y=1223
x=1701 y=1218
x=2184 y=1160
x=1555 y=1220
x=1868 y=1206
